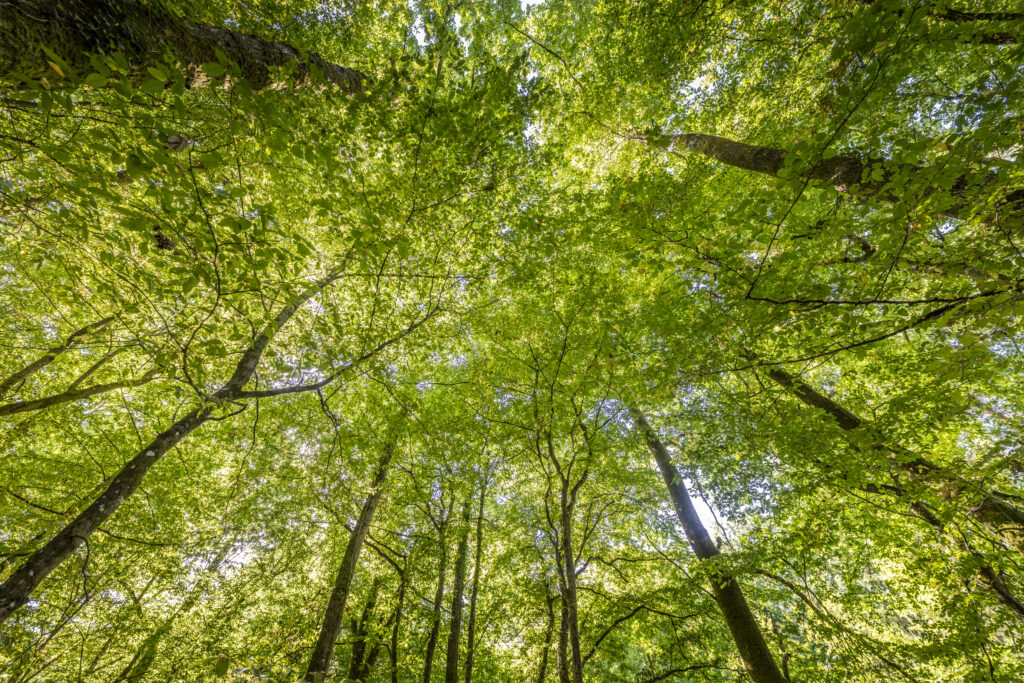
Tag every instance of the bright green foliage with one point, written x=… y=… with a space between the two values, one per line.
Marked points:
x=531 y=231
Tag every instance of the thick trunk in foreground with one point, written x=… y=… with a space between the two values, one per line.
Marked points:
x=746 y=632
x=16 y=591
x=994 y=510
x=143 y=33
x=320 y=659
x=471 y=626
x=451 y=666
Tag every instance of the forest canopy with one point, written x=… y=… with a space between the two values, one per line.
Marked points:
x=553 y=340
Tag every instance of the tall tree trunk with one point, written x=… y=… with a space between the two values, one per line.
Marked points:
x=16 y=591
x=994 y=510
x=471 y=626
x=451 y=666
x=144 y=32
x=320 y=659
x=542 y=672
x=393 y=654
x=571 y=611
x=358 y=664
x=51 y=355
x=435 y=625
x=746 y=632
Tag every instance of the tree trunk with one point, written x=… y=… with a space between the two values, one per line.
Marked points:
x=746 y=632
x=471 y=626
x=451 y=668
x=569 y=597
x=51 y=355
x=563 y=639
x=358 y=665
x=398 y=622
x=16 y=591
x=435 y=627
x=143 y=33
x=994 y=510
x=543 y=671
x=320 y=659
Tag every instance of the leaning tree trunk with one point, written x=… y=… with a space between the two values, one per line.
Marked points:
x=471 y=626
x=144 y=33
x=451 y=668
x=994 y=510
x=16 y=591
x=746 y=632
x=320 y=659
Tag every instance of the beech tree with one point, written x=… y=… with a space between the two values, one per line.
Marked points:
x=511 y=341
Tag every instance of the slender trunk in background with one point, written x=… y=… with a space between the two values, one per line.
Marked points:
x=143 y=33
x=357 y=664
x=571 y=611
x=16 y=591
x=393 y=654
x=746 y=632
x=563 y=640
x=51 y=355
x=548 y=632
x=994 y=510
x=435 y=625
x=320 y=659
x=471 y=626
x=451 y=666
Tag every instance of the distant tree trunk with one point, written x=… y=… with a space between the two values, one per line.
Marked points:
x=320 y=660
x=570 y=610
x=451 y=669
x=996 y=511
x=471 y=626
x=435 y=624
x=51 y=355
x=563 y=640
x=144 y=32
x=543 y=671
x=393 y=654
x=746 y=632
x=16 y=591
x=357 y=664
